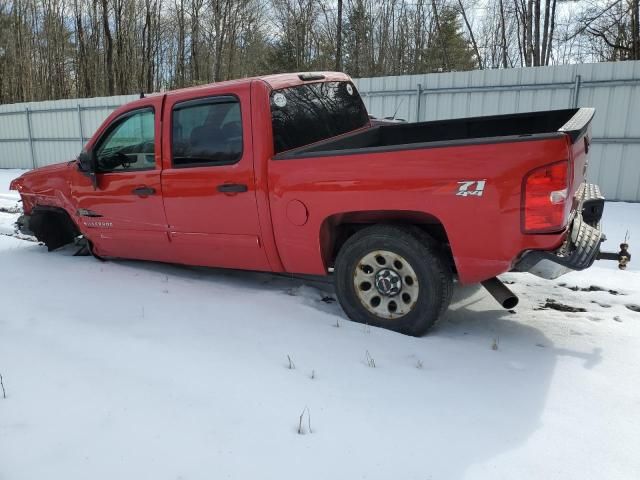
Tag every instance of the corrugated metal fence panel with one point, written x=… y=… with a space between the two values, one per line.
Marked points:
x=42 y=133
x=616 y=165
x=612 y=88
x=68 y=103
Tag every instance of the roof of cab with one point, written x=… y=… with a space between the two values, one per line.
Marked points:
x=276 y=82
x=283 y=80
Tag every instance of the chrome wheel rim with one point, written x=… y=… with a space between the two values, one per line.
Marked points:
x=386 y=284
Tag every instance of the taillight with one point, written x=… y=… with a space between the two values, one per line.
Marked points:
x=545 y=205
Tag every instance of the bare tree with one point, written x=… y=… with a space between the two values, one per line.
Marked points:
x=80 y=48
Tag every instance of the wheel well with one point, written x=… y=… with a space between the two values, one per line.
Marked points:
x=337 y=229
x=53 y=226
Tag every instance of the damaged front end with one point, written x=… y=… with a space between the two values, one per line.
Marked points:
x=44 y=193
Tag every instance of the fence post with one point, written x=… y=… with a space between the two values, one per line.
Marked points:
x=80 y=127
x=27 y=113
x=576 y=92
x=418 y=95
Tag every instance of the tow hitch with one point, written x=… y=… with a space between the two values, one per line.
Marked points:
x=623 y=257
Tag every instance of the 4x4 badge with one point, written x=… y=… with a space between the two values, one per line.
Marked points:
x=465 y=188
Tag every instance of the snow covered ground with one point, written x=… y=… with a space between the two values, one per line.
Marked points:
x=9 y=205
x=130 y=370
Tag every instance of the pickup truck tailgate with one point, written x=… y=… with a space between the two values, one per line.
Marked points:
x=578 y=130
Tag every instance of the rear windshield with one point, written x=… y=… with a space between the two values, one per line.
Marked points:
x=315 y=111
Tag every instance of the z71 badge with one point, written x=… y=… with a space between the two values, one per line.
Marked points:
x=471 y=187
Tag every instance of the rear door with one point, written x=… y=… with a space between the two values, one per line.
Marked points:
x=124 y=216
x=208 y=181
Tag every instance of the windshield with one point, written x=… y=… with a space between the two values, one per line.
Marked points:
x=315 y=111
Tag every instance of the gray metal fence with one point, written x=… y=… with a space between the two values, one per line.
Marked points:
x=37 y=134
x=41 y=133
x=612 y=88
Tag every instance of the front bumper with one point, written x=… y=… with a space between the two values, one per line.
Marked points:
x=23 y=225
x=582 y=245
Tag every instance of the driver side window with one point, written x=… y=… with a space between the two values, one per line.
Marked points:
x=129 y=144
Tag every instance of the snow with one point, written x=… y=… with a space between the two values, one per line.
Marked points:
x=9 y=201
x=127 y=369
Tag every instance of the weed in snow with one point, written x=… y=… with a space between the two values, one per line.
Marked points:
x=369 y=359
x=419 y=365
x=4 y=394
x=292 y=365
x=313 y=374
x=494 y=346
x=301 y=430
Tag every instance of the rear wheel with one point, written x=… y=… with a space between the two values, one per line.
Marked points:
x=393 y=277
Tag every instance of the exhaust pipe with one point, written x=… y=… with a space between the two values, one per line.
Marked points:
x=501 y=293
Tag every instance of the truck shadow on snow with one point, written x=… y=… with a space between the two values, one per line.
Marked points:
x=491 y=401
x=467 y=403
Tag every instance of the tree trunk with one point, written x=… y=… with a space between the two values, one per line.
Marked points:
x=503 y=36
x=108 y=48
x=551 y=31
x=536 y=37
x=339 y=38
x=545 y=32
x=635 y=29
x=442 y=40
x=473 y=39
x=529 y=32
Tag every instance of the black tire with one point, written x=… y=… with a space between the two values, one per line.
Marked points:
x=424 y=259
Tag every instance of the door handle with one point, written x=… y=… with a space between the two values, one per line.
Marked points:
x=232 y=188
x=143 y=191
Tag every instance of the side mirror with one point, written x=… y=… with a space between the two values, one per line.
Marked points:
x=87 y=166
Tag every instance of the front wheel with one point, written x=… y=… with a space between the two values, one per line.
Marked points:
x=393 y=277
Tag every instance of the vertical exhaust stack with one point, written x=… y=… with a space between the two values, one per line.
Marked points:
x=501 y=293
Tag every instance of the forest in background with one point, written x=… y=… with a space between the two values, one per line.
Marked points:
x=53 y=49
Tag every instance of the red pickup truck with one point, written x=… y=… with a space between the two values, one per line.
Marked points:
x=287 y=173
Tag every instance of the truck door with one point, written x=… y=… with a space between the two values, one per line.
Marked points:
x=208 y=181
x=124 y=215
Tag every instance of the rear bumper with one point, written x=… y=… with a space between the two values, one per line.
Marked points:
x=582 y=245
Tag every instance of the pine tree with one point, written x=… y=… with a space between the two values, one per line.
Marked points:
x=448 y=50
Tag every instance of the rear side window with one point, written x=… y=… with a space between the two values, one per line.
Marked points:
x=206 y=132
x=315 y=111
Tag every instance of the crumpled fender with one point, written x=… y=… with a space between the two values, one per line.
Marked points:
x=46 y=186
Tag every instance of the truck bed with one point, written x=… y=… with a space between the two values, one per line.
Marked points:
x=463 y=131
